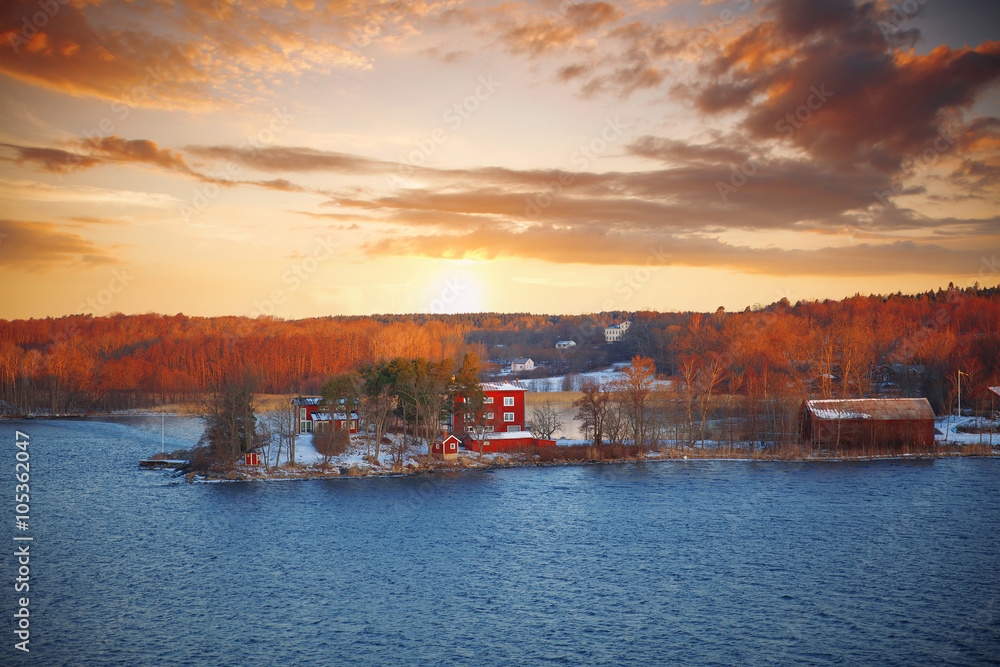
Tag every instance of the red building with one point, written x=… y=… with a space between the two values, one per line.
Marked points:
x=503 y=409
x=307 y=407
x=322 y=421
x=313 y=418
x=847 y=424
x=447 y=449
x=503 y=442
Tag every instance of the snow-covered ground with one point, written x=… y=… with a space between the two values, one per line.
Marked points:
x=949 y=425
x=603 y=376
x=306 y=454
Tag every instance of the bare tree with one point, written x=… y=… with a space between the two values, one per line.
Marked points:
x=709 y=377
x=281 y=423
x=375 y=414
x=592 y=410
x=545 y=420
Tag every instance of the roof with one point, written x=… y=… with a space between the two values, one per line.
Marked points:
x=520 y=360
x=307 y=400
x=502 y=386
x=339 y=416
x=995 y=390
x=509 y=435
x=883 y=409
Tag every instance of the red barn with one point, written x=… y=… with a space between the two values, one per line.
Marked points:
x=891 y=423
x=447 y=449
x=502 y=442
x=503 y=408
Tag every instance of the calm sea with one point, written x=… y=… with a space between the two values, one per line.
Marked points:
x=702 y=563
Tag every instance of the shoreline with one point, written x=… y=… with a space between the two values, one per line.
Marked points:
x=316 y=472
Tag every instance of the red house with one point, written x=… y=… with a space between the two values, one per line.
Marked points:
x=502 y=442
x=503 y=409
x=447 y=449
x=307 y=407
x=321 y=421
x=312 y=419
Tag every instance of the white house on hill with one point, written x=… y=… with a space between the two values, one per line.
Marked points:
x=615 y=332
x=522 y=364
x=565 y=344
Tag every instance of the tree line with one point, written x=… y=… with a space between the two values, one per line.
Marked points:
x=756 y=357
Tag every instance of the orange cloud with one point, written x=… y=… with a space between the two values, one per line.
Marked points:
x=43 y=246
x=602 y=248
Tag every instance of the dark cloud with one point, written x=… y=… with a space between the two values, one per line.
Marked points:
x=823 y=76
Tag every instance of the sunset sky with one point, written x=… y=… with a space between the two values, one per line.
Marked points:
x=306 y=158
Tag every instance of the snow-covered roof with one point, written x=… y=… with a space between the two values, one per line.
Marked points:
x=307 y=400
x=325 y=416
x=886 y=409
x=520 y=360
x=995 y=390
x=502 y=386
x=510 y=435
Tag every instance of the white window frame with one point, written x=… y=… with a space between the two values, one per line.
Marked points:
x=508 y=416
x=489 y=415
x=508 y=401
x=513 y=429
x=489 y=400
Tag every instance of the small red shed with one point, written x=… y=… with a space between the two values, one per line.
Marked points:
x=251 y=459
x=447 y=449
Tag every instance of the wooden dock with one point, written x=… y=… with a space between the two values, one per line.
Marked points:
x=156 y=464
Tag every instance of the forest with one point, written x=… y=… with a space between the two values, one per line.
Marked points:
x=911 y=345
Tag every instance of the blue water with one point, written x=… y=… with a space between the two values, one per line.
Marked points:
x=706 y=563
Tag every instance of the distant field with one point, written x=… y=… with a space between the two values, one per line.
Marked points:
x=567 y=397
x=265 y=402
